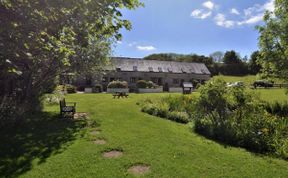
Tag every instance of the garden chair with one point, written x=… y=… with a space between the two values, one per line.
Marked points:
x=67 y=109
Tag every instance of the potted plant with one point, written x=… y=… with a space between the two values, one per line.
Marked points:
x=144 y=86
x=97 y=88
x=117 y=86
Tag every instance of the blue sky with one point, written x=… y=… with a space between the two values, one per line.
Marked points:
x=192 y=26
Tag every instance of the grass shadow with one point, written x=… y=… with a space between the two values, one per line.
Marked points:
x=36 y=137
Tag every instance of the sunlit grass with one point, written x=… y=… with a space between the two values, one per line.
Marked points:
x=171 y=149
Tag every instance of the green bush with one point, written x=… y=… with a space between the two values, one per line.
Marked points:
x=277 y=108
x=181 y=117
x=234 y=116
x=172 y=108
x=118 y=84
x=70 y=89
x=97 y=88
x=53 y=99
x=141 y=84
x=150 y=109
x=145 y=84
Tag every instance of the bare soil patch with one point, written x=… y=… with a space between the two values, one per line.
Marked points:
x=139 y=169
x=112 y=154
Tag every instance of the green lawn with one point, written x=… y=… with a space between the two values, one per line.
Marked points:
x=248 y=80
x=49 y=149
x=271 y=95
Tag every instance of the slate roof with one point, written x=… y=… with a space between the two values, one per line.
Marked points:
x=140 y=65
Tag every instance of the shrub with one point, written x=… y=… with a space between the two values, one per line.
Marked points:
x=118 y=84
x=53 y=99
x=81 y=88
x=70 y=89
x=181 y=117
x=145 y=84
x=234 y=116
x=60 y=89
x=149 y=108
x=141 y=84
x=172 y=108
x=277 y=108
x=97 y=88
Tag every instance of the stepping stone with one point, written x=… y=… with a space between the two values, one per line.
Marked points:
x=139 y=169
x=100 y=142
x=112 y=154
x=95 y=132
x=80 y=115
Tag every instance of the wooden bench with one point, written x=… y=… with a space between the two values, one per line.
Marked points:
x=67 y=109
x=120 y=94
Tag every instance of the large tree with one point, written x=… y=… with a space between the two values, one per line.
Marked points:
x=254 y=66
x=273 y=41
x=231 y=57
x=217 y=56
x=39 y=39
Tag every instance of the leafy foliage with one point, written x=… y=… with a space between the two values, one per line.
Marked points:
x=118 y=84
x=234 y=116
x=273 y=41
x=145 y=84
x=254 y=65
x=177 y=109
x=217 y=56
x=43 y=39
x=230 y=57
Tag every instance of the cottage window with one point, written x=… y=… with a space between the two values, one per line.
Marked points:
x=118 y=69
x=133 y=80
x=135 y=68
x=176 y=81
x=150 y=69
x=160 y=69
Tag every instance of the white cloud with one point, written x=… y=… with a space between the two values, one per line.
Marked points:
x=132 y=44
x=146 y=48
x=255 y=13
x=119 y=42
x=199 y=14
x=208 y=4
x=220 y=20
x=269 y=6
x=250 y=15
x=252 y=20
x=234 y=11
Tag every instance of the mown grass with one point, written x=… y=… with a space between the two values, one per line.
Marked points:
x=248 y=80
x=271 y=95
x=171 y=149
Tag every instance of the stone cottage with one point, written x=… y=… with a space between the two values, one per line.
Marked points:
x=167 y=74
